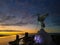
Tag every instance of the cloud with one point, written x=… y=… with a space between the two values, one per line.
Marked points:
x=10 y=31
x=22 y=12
x=16 y=20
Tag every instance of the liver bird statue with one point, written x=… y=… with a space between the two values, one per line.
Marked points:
x=41 y=19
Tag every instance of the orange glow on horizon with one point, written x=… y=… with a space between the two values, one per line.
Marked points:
x=26 y=29
x=17 y=28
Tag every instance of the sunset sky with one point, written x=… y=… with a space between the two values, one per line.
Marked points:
x=21 y=15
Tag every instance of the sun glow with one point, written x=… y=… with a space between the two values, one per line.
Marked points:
x=16 y=30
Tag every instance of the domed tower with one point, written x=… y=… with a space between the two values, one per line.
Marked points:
x=43 y=37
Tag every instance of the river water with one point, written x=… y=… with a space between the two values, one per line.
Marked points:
x=4 y=40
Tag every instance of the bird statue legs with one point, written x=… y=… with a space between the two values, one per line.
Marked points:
x=42 y=25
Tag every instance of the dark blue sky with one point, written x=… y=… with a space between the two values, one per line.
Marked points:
x=23 y=12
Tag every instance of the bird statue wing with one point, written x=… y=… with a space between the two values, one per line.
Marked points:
x=42 y=17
